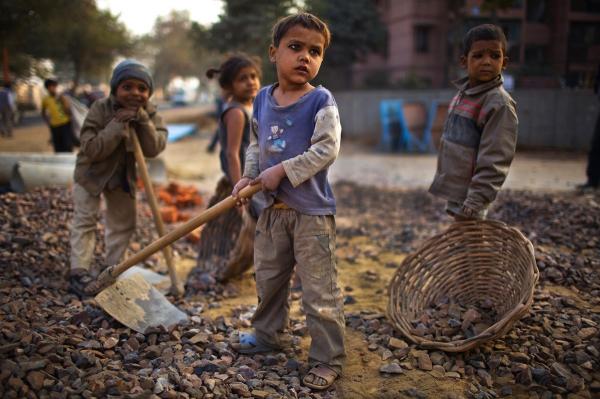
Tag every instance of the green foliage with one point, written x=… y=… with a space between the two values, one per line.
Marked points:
x=355 y=26
x=69 y=32
x=173 y=47
x=245 y=25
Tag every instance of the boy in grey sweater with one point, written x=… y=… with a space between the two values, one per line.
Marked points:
x=480 y=134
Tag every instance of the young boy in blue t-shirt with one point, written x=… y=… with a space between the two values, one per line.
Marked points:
x=295 y=136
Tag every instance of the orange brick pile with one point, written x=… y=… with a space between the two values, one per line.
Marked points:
x=173 y=199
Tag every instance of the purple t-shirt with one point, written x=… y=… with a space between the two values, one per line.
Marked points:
x=285 y=132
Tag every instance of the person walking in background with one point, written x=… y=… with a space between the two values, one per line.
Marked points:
x=593 y=165
x=7 y=110
x=56 y=113
x=480 y=134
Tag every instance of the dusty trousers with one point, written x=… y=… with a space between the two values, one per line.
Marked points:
x=284 y=238
x=119 y=220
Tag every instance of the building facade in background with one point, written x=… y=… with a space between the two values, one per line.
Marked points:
x=551 y=43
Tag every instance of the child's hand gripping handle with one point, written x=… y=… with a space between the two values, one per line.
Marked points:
x=110 y=274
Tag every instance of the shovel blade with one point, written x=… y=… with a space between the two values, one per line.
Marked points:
x=138 y=305
x=158 y=281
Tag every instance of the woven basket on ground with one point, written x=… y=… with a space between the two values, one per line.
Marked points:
x=470 y=262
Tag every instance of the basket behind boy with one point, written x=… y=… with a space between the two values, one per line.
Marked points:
x=480 y=134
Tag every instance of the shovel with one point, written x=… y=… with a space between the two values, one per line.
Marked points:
x=176 y=286
x=133 y=301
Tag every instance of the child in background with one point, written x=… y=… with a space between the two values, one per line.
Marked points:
x=480 y=134
x=106 y=165
x=295 y=137
x=226 y=244
x=56 y=113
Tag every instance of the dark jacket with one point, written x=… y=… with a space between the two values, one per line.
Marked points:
x=477 y=146
x=104 y=148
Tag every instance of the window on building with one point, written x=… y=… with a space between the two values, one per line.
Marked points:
x=592 y=6
x=535 y=55
x=582 y=36
x=536 y=10
x=512 y=30
x=422 y=34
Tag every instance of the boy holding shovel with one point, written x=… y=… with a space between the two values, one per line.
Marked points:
x=106 y=165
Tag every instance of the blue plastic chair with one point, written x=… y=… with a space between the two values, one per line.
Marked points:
x=392 y=115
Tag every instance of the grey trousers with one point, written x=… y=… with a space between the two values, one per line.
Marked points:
x=120 y=225
x=284 y=238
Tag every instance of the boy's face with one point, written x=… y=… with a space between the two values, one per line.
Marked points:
x=132 y=93
x=484 y=61
x=245 y=84
x=52 y=89
x=298 y=56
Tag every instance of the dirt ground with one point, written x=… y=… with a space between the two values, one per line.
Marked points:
x=188 y=161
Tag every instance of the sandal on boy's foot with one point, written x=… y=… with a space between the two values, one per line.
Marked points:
x=320 y=377
x=79 y=279
x=250 y=345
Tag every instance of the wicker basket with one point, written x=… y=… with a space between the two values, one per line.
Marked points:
x=469 y=262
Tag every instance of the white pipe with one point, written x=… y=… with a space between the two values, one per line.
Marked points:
x=30 y=170
x=28 y=175
x=8 y=160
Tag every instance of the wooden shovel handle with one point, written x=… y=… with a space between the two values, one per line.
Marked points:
x=109 y=274
x=176 y=287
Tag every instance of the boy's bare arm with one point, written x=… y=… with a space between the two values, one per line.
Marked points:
x=152 y=133
x=324 y=148
x=496 y=152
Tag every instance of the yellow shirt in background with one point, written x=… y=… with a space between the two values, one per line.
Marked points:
x=54 y=108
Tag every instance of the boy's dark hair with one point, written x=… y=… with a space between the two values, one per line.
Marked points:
x=304 y=19
x=483 y=32
x=230 y=68
x=50 y=82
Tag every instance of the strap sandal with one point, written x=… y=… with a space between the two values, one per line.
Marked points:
x=320 y=377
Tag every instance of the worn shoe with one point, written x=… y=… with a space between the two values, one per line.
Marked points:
x=320 y=377
x=250 y=345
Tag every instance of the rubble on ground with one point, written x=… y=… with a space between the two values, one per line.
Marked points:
x=54 y=344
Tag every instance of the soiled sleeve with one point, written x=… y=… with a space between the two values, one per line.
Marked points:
x=496 y=152
x=323 y=150
x=98 y=141
x=152 y=133
x=251 y=168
